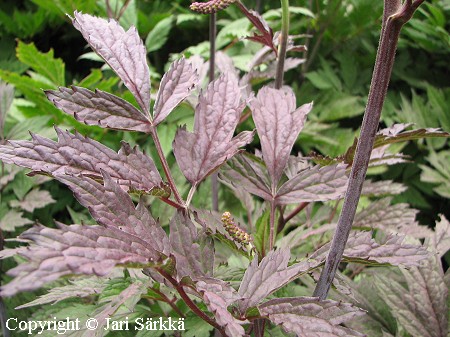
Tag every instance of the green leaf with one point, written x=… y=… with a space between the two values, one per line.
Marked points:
x=159 y=34
x=43 y=63
x=262 y=233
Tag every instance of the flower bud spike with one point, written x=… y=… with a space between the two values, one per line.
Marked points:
x=210 y=7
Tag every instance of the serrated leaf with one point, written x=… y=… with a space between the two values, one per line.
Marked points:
x=362 y=248
x=123 y=51
x=422 y=308
x=307 y=316
x=112 y=207
x=175 y=86
x=278 y=124
x=396 y=134
x=270 y=274
x=43 y=63
x=6 y=99
x=75 y=249
x=183 y=240
x=382 y=188
x=99 y=108
x=75 y=154
x=218 y=296
x=128 y=297
x=217 y=114
x=314 y=184
x=440 y=241
x=266 y=37
x=12 y=220
x=398 y=218
x=35 y=199
x=81 y=287
x=248 y=172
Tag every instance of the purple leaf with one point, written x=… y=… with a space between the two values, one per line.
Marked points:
x=75 y=249
x=123 y=51
x=362 y=248
x=278 y=123
x=422 y=307
x=218 y=296
x=112 y=207
x=314 y=184
x=272 y=273
x=217 y=114
x=307 y=316
x=99 y=108
x=266 y=37
x=75 y=154
x=440 y=241
x=35 y=199
x=184 y=242
x=248 y=172
x=175 y=86
x=382 y=188
x=398 y=218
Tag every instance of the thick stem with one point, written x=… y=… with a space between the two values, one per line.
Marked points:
x=283 y=43
x=212 y=68
x=394 y=20
x=165 y=166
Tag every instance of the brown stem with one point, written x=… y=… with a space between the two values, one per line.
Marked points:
x=123 y=9
x=395 y=16
x=170 y=302
x=298 y=209
x=283 y=44
x=272 y=224
x=179 y=288
x=165 y=166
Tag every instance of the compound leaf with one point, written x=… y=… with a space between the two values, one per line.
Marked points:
x=112 y=207
x=362 y=248
x=80 y=287
x=75 y=154
x=278 y=124
x=99 y=108
x=123 y=51
x=314 y=184
x=422 y=307
x=307 y=316
x=248 y=172
x=175 y=86
x=398 y=218
x=218 y=295
x=216 y=116
x=75 y=249
x=440 y=241
x=270 y=274
x=183 y=240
